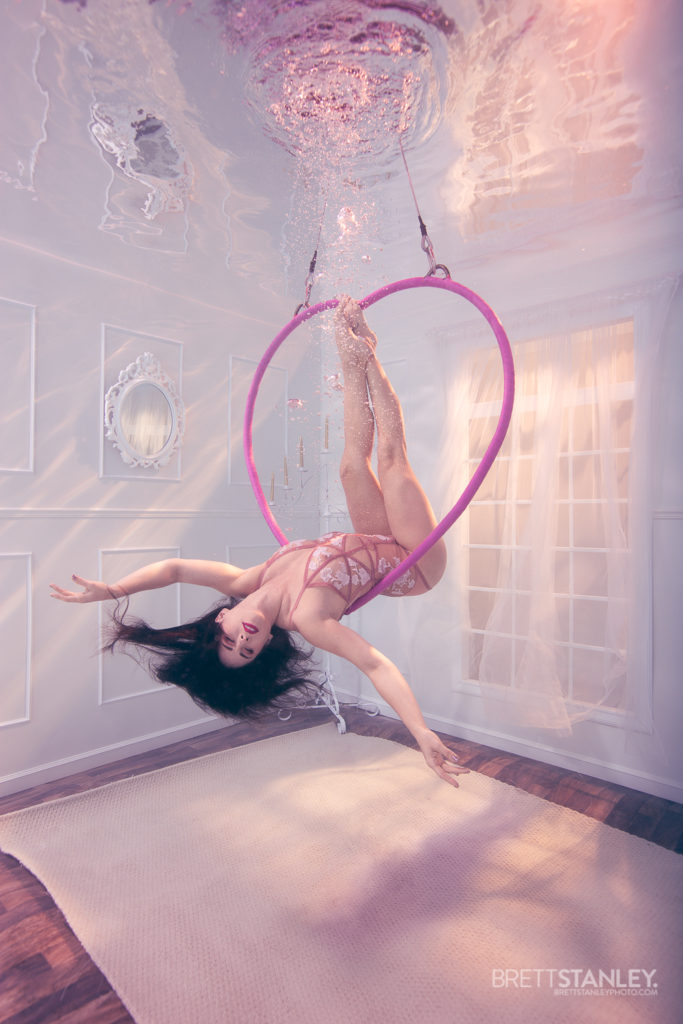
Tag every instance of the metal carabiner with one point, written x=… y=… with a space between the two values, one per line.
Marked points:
x=445 y=272
x=426 y=246
x=307 y=294
x=428 y=249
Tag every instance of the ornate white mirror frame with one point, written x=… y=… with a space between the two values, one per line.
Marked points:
x=144 y=415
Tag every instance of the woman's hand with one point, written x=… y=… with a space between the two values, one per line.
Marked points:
x=93 y=590
x=330 y=635
x=439 y=758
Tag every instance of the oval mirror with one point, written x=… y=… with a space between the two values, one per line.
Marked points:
x=144 y=415
x=146 y=418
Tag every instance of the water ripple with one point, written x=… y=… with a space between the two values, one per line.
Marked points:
x=343 y=81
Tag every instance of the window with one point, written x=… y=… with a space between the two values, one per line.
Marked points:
x=547 y=568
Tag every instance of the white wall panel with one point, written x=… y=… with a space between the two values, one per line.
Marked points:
x=125 y=680
x=269 y=424
x=667 y=598
x=17 y=375
x=15 y=637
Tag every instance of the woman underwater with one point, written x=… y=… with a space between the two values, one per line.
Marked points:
x=240 y=657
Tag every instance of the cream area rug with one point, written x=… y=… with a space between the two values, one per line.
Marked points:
x=317 y=878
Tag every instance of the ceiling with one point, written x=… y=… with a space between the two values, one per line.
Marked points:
x=266 y=128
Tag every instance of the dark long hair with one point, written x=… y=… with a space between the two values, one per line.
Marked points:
x=187 y=656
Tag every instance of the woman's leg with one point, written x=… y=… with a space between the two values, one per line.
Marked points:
x=408 y=510
x=363 y=494
x=405 y=507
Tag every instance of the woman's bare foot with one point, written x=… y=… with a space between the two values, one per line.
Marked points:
x=356 y=343
x=356 y=319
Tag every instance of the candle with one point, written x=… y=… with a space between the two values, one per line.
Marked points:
x=286 y=473
x=327 y=432
x=301 y=453
x=272 y=488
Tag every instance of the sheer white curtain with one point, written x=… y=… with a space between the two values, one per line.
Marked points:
x=550 y=564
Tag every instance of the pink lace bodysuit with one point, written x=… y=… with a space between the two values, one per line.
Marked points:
x=350 y=563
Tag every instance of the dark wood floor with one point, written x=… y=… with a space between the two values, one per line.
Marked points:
x=46 y=977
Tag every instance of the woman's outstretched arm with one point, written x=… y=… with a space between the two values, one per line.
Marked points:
x=219 y=575
x=330 y=635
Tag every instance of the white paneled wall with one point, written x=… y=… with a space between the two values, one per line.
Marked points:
x=69 y=503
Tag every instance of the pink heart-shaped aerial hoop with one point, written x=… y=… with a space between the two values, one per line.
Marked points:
x=479 y=473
